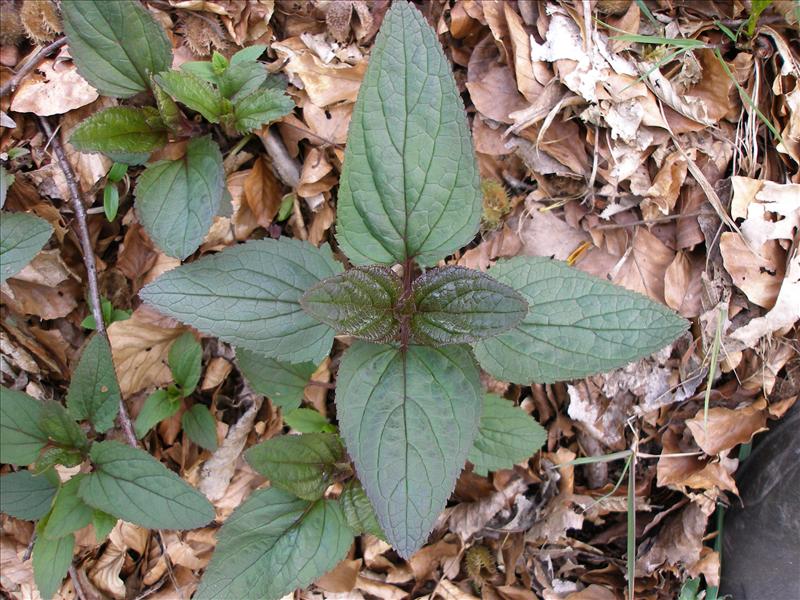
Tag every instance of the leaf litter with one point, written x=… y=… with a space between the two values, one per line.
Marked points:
x=636 y=140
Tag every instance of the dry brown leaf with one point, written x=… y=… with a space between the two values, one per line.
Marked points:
x=758 y=272
x=53 y=89
x=491 y=84
x=644 y=266
x=693 y=471
x=468 y=518
x=727 y=427
x=325 y=84
x=316 y=176
x=137 y=254
x=380 y=589
x=342 y=578
x=683 y=284
x=594 y=591
x=678 y=543
x=216 y=372
x=262 y=193
x=425 y=561
x=139 y=347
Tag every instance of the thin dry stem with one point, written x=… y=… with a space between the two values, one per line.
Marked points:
x=29 y=65
x=78 y=208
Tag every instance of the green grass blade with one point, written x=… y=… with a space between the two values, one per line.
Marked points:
x=712 y=369
x=632 y=529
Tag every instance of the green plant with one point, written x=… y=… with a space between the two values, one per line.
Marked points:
x=125 y=483
x=176 y=200
x=184 y=361
x=409 y=401
x=110 y=314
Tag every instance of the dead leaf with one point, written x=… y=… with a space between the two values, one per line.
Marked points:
x=262 y=192
x=678 y=543
x=758 y=272
x=342 y=578
x=727 y=427
x=53 y=89
x=139 y=347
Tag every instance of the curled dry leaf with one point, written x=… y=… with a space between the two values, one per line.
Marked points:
x=727 y=427
x=758 y=272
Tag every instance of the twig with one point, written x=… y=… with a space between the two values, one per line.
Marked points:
x=29 y=65
x=29 y=549
x=287 y=168
x=88 y=259
x=73 y=574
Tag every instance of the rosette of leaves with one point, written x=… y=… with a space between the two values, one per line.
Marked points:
x=124 y=483
x=410 y=406
x=121 y=50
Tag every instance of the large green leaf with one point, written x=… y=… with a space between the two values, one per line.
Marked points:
x=455 y=305
x=70 y=512
x=51 y=560
x=176 y=200
x=21 y=436
x=283 y=383
x=193 y=92
x=249 y=296
x=115 y=45
x=26 y=496
x=273 y=544
x=94 y=392
x=359 y=302
x=408 y=419
x=410 y=186
x=577 y=325
x=121 y=129
x=507 y=435
x=261 y=107
x=133 y=486
x=301 y=464
x=23 y=235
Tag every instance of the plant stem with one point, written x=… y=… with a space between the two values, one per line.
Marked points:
x=29 y=65
x=78 y=208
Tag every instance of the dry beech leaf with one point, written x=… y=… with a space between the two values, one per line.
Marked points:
x=758 y=272
x=679 y=541
x=53 y=89
x=139 y=347
x=262 y=192
x=727 y=427
x=342 y=578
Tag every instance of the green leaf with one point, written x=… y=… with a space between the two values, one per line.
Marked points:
x=242 y=79
x=193 y=92
x=133 y=486
x=359 y=302
x=57 y=456
x=117 y=172
x=358 y=511
x=21 y=437
x=6 y=179
x=249 y=54
x=200 y=426
x=103 y=523
x=158 y=406
x=273 y=544
x=201 y=69
x=94 y=392
x=410 y=186
x=110 y=201
x=167 y=109
x=59 y=426
x=218 y=62
x=507 y=435
x=120 y=129
x=261 y=107
x=283 y=383
x=577 y=325
x=455 y=305
x=408 y=420
x=70 y=512
x=51 y=560
x=23 y=236
x=115 y=45
x=184 y=360
x=249 y=296
x=26 y=496
x=307 y=420
x=176 y=200
x=301 y=464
